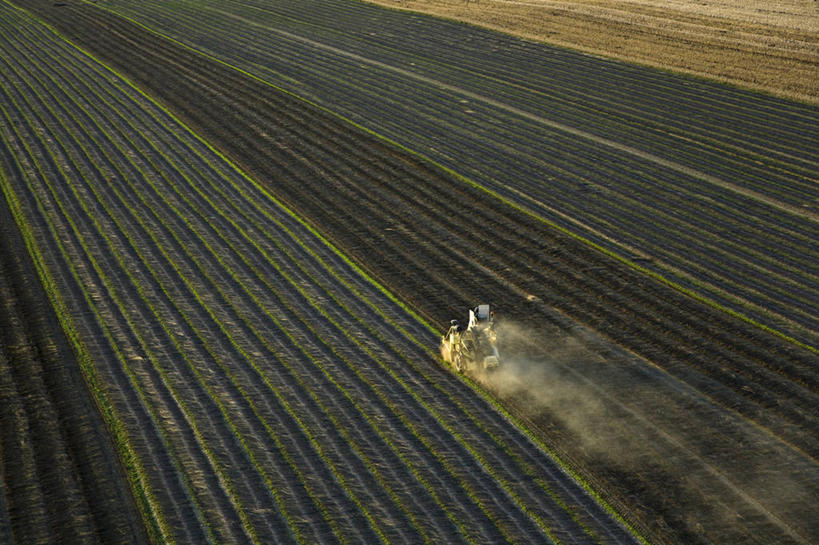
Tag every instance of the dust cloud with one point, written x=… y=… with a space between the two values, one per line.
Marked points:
x=697 y=472
x=537 y=371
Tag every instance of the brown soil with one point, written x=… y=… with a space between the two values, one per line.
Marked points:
x=769 y=46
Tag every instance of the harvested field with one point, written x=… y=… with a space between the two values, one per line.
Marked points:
x=770 y=46
x=236 y=336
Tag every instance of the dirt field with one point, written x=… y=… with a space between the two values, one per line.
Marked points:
x=771 y=46
x=236 y=339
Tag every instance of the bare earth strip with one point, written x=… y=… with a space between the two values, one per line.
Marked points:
x=770 y=46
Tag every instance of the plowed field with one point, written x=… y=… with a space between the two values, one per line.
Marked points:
x=266 y=391
x=771 y=46
x=229 y=283
x=712 y=188
x=60 y=475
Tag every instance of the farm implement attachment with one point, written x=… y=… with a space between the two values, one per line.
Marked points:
x=473 y=348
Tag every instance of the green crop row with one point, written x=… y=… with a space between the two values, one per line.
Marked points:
x=215 y=256
x=81 y=283
x=119 y=303
x=146 y=500
x=294 y=283
x=193 y=290
x=388 y=320
x=200 y=299
x=273 y=262
x=170 y=333
x=341 y=305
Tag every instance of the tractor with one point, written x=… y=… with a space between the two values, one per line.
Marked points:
x=473 y=348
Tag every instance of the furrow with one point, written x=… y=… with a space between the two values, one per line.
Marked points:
x=166 y=475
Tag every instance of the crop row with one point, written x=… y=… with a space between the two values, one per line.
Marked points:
x=424 y=233
x=290 y=173
x=260 y=399
x=126 y=269
x=61 y=477
x=741 y=252
x=517 y=66
x=525 y=74
x=362 y=196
